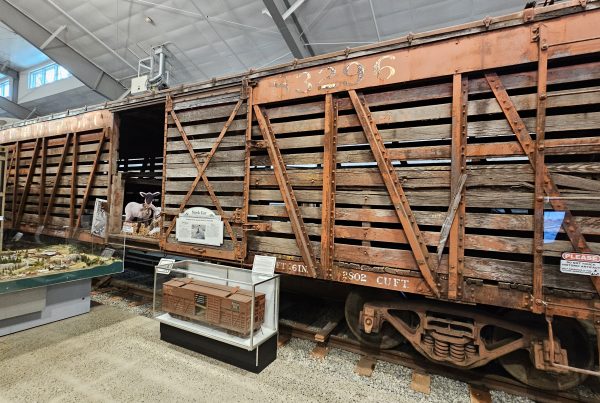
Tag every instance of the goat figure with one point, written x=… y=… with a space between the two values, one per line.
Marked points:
x=142 y=212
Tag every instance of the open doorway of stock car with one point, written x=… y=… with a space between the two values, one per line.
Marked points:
x=139 y=171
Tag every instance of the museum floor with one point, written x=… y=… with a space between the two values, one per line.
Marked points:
x=113 y=355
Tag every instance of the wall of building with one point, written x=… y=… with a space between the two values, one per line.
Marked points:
x=27 y=94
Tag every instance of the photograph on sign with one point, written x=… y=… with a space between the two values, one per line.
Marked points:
x=99 y=218
x=201 y=230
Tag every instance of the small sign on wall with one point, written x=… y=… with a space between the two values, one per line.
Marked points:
x=587 y=264
x=199 y=225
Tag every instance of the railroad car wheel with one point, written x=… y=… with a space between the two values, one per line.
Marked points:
x=387 y=338
x=573 y=337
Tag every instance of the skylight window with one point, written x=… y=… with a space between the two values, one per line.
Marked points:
x=4 y=88
x=47 y=74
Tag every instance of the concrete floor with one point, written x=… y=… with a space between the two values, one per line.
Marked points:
x=113 y=355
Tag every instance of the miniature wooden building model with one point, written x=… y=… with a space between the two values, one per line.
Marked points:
x=217 y=305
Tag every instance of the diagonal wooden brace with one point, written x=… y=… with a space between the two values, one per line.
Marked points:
x=57 y=179
x=394 y=188
x=36 y=152
x=450 y=217
x=291 y=204
x=518 y=127
x=202 y=169
x=90 y=181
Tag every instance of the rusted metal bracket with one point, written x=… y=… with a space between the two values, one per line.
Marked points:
x=291 y=204
x=201 y=175
x=518 y=127
x=257 y=226
x=328 y=204
x=394 y=188
x=257 y=144
x=554 y=358
x=456 y=251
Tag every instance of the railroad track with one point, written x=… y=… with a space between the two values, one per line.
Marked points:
x=478 y=380
x=332 y=332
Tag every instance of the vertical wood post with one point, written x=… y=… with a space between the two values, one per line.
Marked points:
x=248 y=150
x=74 y=162
x=42 y=198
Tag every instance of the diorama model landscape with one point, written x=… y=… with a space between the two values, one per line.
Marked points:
x=216 y=305
x=46 y=260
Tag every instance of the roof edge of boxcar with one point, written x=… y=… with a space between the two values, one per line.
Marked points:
x=487 y=24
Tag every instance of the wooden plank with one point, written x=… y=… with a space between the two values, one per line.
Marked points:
x=365 y=366
x=479 y=394
x=421 y=382
x=319 y=351
x=56 y=179
x=86 y=195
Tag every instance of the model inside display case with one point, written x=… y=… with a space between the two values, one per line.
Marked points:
x=221 y=306
x=49 y=259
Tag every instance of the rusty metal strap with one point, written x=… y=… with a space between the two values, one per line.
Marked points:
x=291 y=204
x=518 y=127
x=394 y=188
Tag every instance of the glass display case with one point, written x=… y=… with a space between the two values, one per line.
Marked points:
x=228 y=304
x=36 y=260
x=48 y=278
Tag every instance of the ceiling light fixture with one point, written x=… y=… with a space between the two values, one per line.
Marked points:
x=149 y=20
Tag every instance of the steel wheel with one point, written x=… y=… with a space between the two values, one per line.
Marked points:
x=573 y=337
x=386 y=338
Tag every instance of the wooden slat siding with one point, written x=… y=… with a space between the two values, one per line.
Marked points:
x=413 y=133
x=50 y=202
x=225 y=172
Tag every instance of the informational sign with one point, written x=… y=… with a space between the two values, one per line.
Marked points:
x=165 y=265
x=199 y=225
x=99 y=218
x=587 y=264
x=264 y=264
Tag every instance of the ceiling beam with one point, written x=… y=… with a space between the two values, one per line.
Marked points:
x=291 y=35
x=7 y=71
x=14 y=109
x=81 y=67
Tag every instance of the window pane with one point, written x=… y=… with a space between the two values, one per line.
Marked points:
x=63 y=73
x=50 y=74
x=4 y=89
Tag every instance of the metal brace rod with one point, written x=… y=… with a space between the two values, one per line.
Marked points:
x=291 y=204
x=394 y=188
x=328 y=204
x=518 y=126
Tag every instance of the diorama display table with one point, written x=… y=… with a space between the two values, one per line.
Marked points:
x=35 y=300
x=223 y=312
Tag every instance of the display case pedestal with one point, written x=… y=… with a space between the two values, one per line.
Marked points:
x=250 y=360
x=21 y=310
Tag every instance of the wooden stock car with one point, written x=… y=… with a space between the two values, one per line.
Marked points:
x=217 y=305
